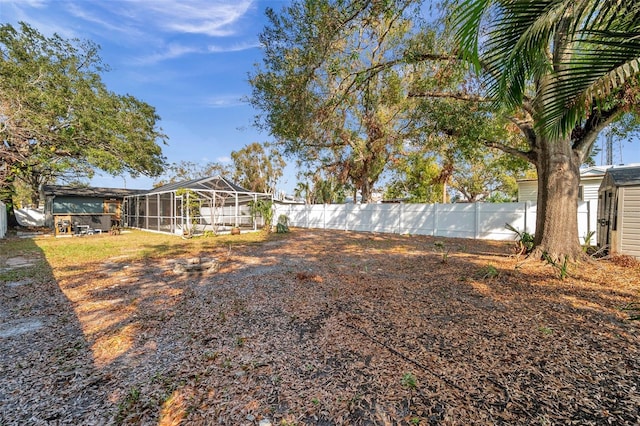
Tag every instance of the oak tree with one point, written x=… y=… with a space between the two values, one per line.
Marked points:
x=189 y=170
x=257 y=167
x=56 y=114
x=326 y=90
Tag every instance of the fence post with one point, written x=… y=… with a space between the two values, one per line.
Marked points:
x=476 y=225
x=588 y=216
x=346 y=217
x=592 y=218
x=435 y=219
x=324 y=216
x=3 y=220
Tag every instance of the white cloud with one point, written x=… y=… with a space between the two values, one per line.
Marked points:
x=206 y=17
x=171 y=51
x=146 y=23
x=28 y=3
x=92 y=17
x=224 y=159
x=224 y=101
x=233 y=48
x=200 y=17
x=31 y=11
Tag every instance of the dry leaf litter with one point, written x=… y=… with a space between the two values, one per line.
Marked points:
x=324 y=328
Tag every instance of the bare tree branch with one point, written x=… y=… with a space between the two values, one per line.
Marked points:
x=588 y=133
x=451 y=95
x=526 y=127
x=421 y=57
x=526 y=155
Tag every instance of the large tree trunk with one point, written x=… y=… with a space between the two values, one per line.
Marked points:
x=12 y=222
x=365 y=183
x=556 y=232
x=366 y=191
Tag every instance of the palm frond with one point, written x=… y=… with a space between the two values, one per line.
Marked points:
x=584 y=49
x=467 y=18
x=517 y=41
x=606 y=56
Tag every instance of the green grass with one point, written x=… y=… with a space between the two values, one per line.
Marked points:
x=23 y=247
x=18 y=247
x=53 y=258
x=38 y=272
x=136 y=245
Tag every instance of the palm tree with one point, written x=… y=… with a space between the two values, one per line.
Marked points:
x=302 y=189
x=562 y=70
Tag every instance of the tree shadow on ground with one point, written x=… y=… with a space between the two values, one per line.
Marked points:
x=352 y=328
x=46 y=365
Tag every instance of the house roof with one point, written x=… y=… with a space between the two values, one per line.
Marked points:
x=624 y=176
x=88 y=191
x=212 y=183
x=592 y=172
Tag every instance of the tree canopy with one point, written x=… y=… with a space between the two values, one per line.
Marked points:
x=190 y=170
x=319 y=95
x=346 y=86
x=257 y=168
x=414 y=178
x=56 y=114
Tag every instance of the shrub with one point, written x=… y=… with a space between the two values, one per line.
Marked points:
x=524 y=240
x=283 y=224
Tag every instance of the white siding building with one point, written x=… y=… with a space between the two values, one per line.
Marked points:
x=590 y=180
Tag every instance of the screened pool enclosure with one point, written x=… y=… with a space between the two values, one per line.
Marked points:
x=212 y=204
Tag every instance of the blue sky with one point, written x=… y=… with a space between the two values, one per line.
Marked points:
x=189 y=59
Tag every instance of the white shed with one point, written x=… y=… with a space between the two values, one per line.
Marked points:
x=619 y=211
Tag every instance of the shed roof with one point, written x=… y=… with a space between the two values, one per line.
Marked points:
x=212 y=183
x=88 y=191
x=624 y=176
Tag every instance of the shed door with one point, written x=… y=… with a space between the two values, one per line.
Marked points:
x=629 y=228
x=605 y=207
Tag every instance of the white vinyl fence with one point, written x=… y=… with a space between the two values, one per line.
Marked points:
x=475 y=220
x=3 y=219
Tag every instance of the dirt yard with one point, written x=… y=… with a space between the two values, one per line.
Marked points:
x=321 y=328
